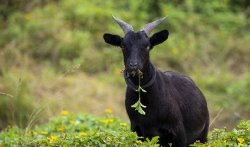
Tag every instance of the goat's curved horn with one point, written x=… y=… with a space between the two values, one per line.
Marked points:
x=150 y=26
x=125 y=26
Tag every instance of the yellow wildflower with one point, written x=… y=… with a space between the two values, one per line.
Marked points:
x=240 y=140
x=61 y=129
x=44 y=133
x=52 y=138
x=109 y=111
x=123 y=124
x=64 y=112
x=73 y=122
x=33 y=133
x=83 y=134
x=138 y=141
x=105 y=121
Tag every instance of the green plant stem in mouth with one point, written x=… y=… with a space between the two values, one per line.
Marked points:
x=138 y=105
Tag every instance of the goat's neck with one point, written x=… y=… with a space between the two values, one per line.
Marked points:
x=148 y=72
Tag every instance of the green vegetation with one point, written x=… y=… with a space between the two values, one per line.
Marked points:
x=75 y=130
x=138 y=106
x=53 y=57
x=240 y=136
x=87 y=130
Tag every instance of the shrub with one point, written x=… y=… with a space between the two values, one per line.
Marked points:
x=75 y=130
x=87 y=130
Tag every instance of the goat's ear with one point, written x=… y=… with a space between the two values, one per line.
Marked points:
x=158 y=37
x=112 y=39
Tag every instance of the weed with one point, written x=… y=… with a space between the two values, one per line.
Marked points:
x=138 y=105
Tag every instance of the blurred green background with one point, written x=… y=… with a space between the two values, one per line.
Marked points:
x=53 y=57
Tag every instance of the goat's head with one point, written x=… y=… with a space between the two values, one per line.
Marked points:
x=136 y=45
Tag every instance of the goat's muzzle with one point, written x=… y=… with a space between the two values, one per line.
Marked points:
x=132 y=71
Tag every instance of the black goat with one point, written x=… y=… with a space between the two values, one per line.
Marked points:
x=176 y=109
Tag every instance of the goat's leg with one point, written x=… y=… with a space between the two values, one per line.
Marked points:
x=203 y=135
x=179 y=139
x=172 y=138
x=135 y=128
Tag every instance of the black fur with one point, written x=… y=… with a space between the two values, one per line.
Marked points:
x=176 y=108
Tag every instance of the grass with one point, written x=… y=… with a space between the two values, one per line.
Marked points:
x=74 y=130
x=79 y=89
x=107 y=130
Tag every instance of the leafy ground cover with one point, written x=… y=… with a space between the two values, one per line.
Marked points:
x=107 y=130
x=53 y=57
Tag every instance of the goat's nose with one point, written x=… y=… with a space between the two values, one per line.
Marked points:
x=133 y=64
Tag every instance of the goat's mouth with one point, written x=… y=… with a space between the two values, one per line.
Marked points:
x=134 y=72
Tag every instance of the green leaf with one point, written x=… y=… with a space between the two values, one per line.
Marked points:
x=142 y=89
x=135 y=105
x=138 y=107
x=155 y=140
x=143 y=105
x=141 y=111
